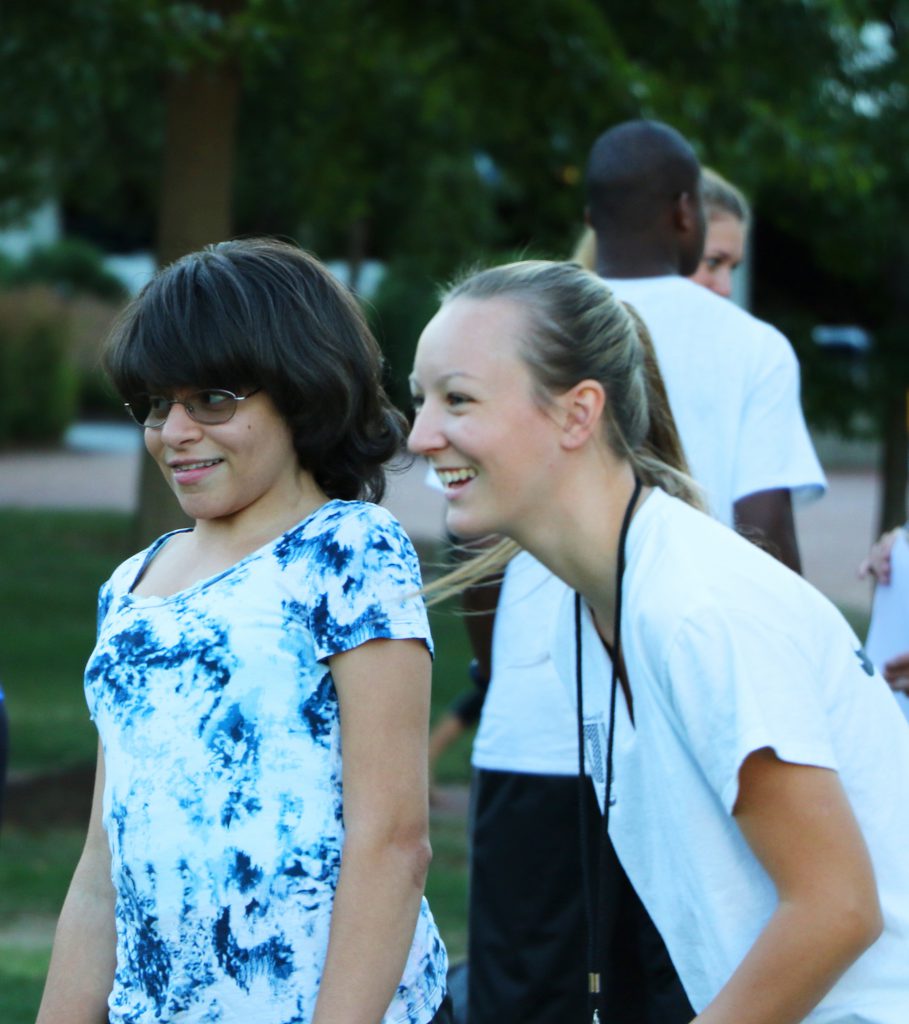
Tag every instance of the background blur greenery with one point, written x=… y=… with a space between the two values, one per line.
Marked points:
x=428 y=134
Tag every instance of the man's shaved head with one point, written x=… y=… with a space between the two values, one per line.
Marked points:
x=636 y=173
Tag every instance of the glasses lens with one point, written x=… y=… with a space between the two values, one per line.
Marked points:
x=138 y=408
x=211 y=406
x=156 y=410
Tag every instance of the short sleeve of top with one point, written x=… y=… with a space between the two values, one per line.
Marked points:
x=739 y=685
x=775 y=447
x=367 y=578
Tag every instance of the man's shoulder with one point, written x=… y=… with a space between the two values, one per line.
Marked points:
x=675 y=303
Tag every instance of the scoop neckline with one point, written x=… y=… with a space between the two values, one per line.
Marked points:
x=207 y=581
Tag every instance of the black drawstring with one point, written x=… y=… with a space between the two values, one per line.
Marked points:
x=596 y=911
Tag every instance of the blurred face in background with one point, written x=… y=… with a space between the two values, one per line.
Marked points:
x=724 y=249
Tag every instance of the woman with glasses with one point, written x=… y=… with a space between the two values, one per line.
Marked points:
x=750 y=764
x=237 y=867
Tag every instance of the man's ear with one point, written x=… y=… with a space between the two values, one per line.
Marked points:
x=582 y=408
x=685 y=212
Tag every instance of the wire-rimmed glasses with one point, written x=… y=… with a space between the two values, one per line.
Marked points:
x=208 y=406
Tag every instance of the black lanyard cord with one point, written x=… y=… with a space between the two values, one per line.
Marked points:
x=595 y=890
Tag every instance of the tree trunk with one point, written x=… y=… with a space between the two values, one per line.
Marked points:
x=197 y=183
x=194 y=211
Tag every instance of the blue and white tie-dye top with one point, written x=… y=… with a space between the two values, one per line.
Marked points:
x=219 y=722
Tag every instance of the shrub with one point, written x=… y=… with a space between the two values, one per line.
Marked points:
x=73 y=265
x=37 y=380
x=90 y=323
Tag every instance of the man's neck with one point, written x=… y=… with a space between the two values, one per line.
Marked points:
x=630 y=255
x=621 y=266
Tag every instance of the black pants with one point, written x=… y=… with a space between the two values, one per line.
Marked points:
x=444 y=1013
x=527 y=939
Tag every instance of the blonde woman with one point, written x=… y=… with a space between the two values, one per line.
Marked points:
x=749 y=762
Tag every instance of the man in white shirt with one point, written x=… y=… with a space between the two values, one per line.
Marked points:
x=733 y=380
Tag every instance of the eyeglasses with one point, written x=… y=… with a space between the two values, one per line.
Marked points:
x=213 y=405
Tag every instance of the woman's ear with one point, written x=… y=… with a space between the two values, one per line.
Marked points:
x=582 y=410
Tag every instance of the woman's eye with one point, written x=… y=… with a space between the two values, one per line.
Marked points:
x=211 y=399
x=454 y=398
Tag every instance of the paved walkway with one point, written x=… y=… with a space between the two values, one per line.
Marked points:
x=99 y=468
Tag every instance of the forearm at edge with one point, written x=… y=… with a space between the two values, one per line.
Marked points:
x=372 y=927
x=796 y=960
x=83 y=961
x=766 y=519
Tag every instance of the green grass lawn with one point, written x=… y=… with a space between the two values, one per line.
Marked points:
x=51 y=565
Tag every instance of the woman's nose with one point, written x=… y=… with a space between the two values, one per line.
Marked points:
x=179 y=425
x=423 y=437
x=724 y=283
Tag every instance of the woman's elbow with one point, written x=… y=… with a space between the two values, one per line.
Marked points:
x=873 y=924
x=418 y=852
x=861 y=922
x=403 y=849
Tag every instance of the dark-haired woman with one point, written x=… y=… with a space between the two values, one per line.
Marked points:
x=750 y=763
x=237 y=867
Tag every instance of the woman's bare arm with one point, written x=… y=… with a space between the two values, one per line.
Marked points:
x=798 y=821
x=383 y=688
x=83 y=961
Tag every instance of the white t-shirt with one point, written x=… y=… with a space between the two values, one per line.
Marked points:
x=527 y=721
x=733 y=383
x=729 y=652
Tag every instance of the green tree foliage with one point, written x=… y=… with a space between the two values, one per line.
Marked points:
x=435 y=132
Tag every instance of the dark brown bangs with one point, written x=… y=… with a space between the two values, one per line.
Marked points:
x=177 y=335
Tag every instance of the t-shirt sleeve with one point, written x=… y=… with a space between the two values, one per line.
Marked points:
x=367 y=583
x=775 y=447
x=105 y=597
x=737 y=685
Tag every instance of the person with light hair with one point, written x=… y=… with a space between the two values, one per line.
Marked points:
x=728 y=220
x=725 y=709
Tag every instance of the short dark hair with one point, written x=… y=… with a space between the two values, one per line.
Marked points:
x=264 y=313
x=632 y=169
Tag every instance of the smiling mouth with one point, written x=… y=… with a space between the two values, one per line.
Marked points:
x=455 y=476
x=184 y=467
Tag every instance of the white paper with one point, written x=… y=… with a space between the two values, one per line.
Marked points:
x=888 y=634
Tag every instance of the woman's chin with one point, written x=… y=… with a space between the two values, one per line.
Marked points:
x=465 y=526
